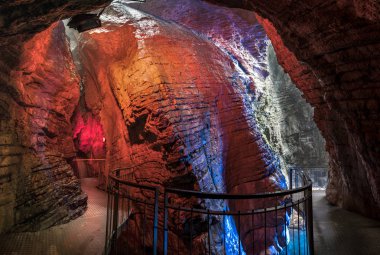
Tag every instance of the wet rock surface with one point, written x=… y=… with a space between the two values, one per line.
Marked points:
x=284 y=117
x=338 y=41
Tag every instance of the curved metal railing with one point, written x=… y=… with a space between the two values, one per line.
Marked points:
x=146 y=219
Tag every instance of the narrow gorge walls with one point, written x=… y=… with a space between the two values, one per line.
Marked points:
x=166 y=95
x=286 y=120
x=330 y=50
x=142 y=97
x=39 y=92
x=283 y=116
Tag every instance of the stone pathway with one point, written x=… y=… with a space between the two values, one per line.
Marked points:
x=85 y=235
x=336 y=231
x=339 y=232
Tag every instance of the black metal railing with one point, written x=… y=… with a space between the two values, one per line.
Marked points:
x=145 y=219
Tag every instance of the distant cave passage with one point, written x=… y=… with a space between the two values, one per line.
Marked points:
x=89 y=140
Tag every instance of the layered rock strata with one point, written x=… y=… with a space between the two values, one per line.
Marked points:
x=337 y=40
x=286 y=120
x=329 y=50
x=38 y=94
x=186 y=109
x=284 y=117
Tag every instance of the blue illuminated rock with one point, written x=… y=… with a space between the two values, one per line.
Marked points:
x=185 y=104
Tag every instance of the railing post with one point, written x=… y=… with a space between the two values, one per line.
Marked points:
x=155 y=223
x=117 y=188
x=106 y=248
x=291 y=181
x=165 y=223
x=310 y=220
x=115 y=211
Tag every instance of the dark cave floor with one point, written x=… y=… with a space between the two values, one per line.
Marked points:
x=336 y=231
x=84 y=235
x=339 y=232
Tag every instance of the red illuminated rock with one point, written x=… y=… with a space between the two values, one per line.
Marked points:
x=337 y=39
x=182 y=108
x=89 y=135
x=39 y=92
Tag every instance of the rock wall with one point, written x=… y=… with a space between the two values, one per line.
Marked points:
x=338 y=41
x=20 y=19
x=166 y=95
x=330 y=51
x=286 y=119
x=38 y=93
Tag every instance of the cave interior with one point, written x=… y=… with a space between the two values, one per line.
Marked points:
x=220 y=96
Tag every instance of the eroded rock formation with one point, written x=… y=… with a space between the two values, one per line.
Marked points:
x=38 y=94
x=337 y=39
x=286 y=119
x=184 y=108
x=329 y=50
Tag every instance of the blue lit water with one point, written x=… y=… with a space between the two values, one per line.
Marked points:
x=232 y=238
x=297 y=245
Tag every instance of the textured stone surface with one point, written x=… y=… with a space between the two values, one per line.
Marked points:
x=186 y=109
x=21 y=19
x=339 y=42
x=38 y=93
x=286 y=119
x=330 y=50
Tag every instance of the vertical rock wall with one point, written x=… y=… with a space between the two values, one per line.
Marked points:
x=282 y=114
x=352 y=176
x=286 y=119
x=168 y=96
x=38 y=93
x=329 y=48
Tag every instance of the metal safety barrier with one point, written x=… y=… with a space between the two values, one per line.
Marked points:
x=146 y=219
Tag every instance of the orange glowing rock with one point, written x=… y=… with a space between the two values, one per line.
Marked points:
x=165 y=95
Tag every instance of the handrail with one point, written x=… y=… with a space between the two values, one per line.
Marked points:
x=200 y=194
x=113 y=176
x=156 y=209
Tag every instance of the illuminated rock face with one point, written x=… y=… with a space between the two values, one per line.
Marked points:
x=347 y=115
x=165 y=95
x=327 y=47
x=284 y=118
x=337 y=40
x=39 y=92
x=88 y=135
